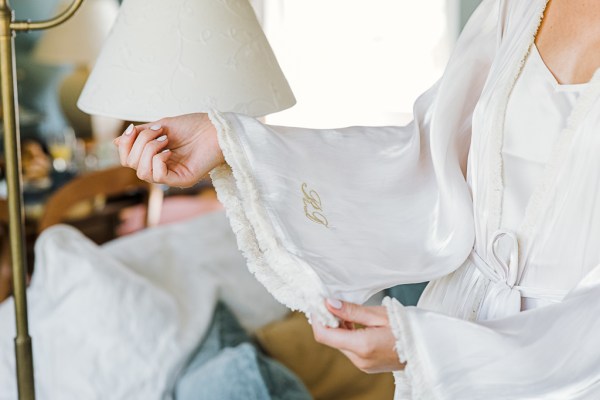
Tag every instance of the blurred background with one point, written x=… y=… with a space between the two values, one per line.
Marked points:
x=352 y=62
x=348 y=62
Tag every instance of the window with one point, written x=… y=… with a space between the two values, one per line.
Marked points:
x=356 y=62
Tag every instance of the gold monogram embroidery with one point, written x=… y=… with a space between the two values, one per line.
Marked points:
x=312 y=206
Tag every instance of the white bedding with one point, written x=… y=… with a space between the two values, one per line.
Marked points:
x=120 y=321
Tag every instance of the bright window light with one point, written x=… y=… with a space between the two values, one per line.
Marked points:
x=356 y=62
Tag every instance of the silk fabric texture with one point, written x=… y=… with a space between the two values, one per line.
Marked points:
x=345 y=213
x=530 y=131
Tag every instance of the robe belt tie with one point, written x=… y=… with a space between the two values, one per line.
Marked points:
x=503 y=295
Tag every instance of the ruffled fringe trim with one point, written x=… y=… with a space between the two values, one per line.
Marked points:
x=412 y=383
x=496 y=163
x=286 y=277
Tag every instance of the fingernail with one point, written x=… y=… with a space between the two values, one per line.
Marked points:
x=155 y=127
x=129 y=129
x=334 y=303
x=165 y=151
x=162 y=138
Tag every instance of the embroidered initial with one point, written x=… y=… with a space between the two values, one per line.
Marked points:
x=312 y=206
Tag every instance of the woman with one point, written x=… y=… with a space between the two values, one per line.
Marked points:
x=491 y=193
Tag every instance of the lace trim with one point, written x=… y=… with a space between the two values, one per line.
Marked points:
x=413 y=382
x=542 y=193
x=496 y=163
x=286 y=277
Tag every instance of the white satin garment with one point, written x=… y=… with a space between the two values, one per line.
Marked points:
x=531 y=130
x=345 y=213
x=538 y=110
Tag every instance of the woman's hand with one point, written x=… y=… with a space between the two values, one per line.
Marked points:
x=369 y=347
x=176 y=151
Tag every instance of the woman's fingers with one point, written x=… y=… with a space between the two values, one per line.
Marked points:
x=370 y=349
x=144 y=137
x=139 y=149
x=160 y=170
x=145 y=164
x=340 y=338
x=125 y=142
x=368 y=316
x=347 y=325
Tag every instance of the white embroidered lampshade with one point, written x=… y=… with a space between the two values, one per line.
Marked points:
x=166 y=58
x=79 y=40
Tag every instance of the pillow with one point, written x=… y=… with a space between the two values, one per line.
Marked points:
x=99 y=330
x=120 y=322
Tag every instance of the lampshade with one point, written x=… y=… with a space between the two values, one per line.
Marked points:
x=79 y=40
x=165 y=58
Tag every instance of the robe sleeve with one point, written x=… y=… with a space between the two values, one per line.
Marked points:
x=345 y=213
x=550 y=352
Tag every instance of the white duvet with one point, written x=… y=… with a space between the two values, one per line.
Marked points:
x=120 y=321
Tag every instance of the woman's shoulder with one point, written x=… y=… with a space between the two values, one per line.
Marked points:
x=518 y=13
x=510 y=18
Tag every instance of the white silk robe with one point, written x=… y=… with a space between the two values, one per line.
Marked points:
x=345 y=213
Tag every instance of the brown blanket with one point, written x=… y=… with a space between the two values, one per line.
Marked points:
x=326 y=372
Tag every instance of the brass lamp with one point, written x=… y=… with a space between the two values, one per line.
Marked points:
x=8 y=27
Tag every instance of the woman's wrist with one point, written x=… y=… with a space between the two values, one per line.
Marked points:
x=215 y=154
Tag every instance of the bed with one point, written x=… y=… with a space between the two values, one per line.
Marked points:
x=120 y=321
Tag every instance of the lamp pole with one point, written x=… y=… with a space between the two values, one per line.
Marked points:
x=8 y=28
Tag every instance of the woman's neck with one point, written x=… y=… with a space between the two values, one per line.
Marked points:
x=569 y=39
